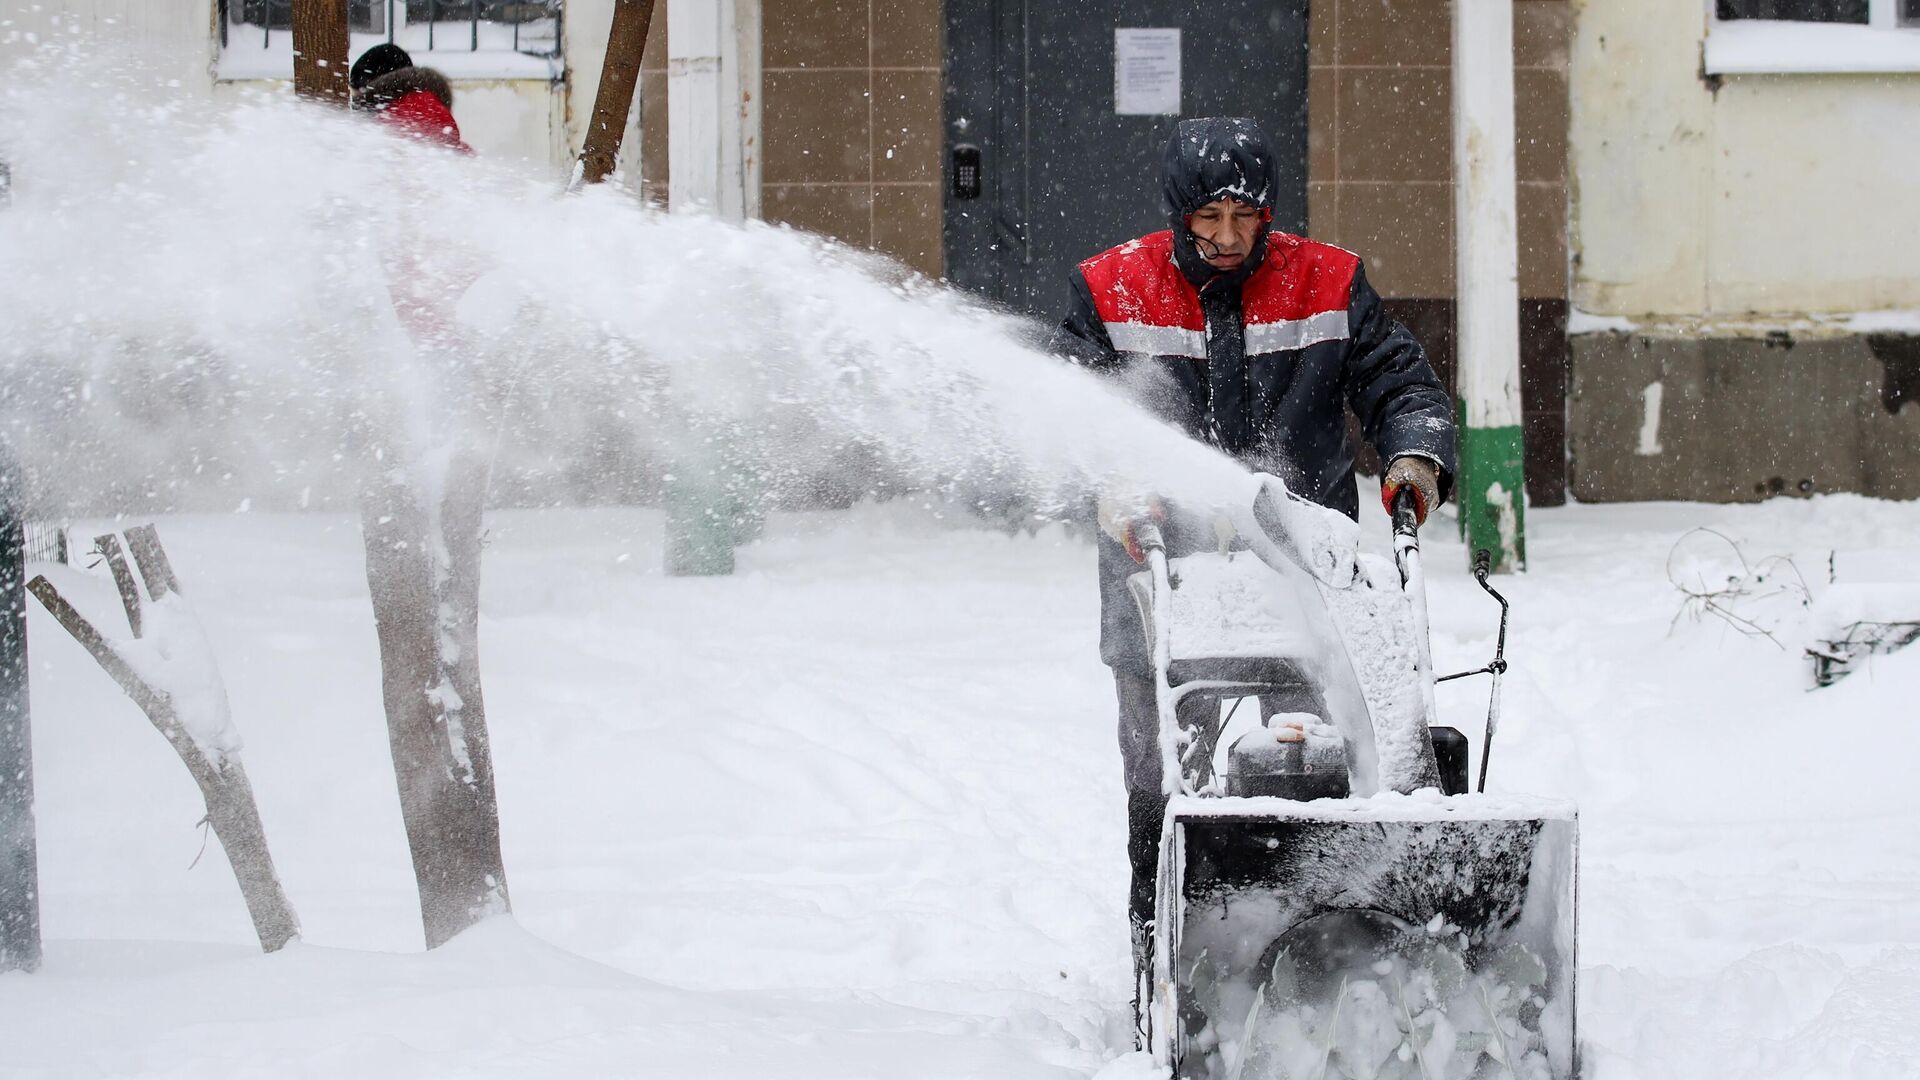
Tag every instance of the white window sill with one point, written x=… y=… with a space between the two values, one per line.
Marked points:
x=1764 y=47
x=248 y=64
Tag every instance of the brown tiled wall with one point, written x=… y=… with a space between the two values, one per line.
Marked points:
x=850 y=122
x=1380 y=151
x=1380 y=167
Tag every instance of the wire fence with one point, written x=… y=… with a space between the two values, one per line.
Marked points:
x=46 y=541
x=524 y=26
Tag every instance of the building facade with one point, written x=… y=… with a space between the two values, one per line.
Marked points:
x=867 y=102
x=1718 y=295
x=524 y=71
x=1742 y=249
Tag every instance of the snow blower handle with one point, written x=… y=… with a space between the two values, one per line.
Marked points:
x=1406 y=516
x=1146 y=535
x=1406 y=556
x=1413 y=583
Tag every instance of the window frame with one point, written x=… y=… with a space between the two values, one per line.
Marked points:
x=270 y=54
x=1887 y=43
x=1887 y=15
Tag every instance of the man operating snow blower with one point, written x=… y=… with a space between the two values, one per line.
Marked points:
x=1254 y=341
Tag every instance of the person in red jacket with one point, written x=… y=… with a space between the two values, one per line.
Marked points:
x=416 y=100
x=1256 y=342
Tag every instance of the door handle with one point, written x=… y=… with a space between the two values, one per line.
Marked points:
x=1013 y=235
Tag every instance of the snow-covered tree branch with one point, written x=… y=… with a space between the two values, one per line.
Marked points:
x=168 y=669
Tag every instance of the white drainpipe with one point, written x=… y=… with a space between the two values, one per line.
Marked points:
x=713 y=106
x=1491 y=492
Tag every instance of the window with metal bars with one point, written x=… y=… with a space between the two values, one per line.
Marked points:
x=1811 y=37
x=1829 y=11
x=531 y=27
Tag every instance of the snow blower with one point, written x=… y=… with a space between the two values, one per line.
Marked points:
x=1331 y=901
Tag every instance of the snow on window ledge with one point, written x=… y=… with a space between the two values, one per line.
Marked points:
x=273 y=59
x=1766 y=47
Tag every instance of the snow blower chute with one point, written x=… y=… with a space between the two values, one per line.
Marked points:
x=1332 y=902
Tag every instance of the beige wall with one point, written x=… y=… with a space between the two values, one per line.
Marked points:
x=1770 y=195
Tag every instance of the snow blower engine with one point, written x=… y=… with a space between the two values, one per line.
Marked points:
x=1331 y=900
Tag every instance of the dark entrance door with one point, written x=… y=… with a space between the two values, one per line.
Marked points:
x=1044 y=168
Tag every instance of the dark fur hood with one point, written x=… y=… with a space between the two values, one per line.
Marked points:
x=395 y=85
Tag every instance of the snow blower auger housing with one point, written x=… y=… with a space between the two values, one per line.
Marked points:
x=1331 y=902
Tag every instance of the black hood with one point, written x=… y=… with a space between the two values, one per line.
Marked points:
x=382 y=59
x=1208 y=159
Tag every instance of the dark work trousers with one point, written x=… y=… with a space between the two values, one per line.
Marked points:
x=1146 y=803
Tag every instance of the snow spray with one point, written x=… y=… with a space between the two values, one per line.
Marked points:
x=210 y=303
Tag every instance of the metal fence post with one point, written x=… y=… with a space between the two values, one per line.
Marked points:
x=703 y=512
x=19 y=866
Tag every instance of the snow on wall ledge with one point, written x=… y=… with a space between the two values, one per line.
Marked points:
x=1814 y=325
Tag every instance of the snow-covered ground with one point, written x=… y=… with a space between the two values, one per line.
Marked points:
x=855 y=811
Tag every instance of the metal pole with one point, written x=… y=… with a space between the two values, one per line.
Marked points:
x=713 y=79
x=19 y=864
x=707 y=169
x=699 y=108
x=1492 y=487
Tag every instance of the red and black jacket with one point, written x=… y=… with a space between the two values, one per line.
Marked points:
x=1263 y=370
x=1261 y=364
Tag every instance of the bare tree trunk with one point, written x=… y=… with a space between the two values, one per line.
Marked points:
x=320 y=45
x=421 y=504
x=423 y=569
x=231 y=809
x=611 y=105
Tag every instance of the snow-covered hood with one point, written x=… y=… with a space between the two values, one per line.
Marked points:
x=1208 y=159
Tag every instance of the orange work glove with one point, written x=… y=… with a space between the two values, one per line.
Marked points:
x=1418 y=473
x=1118 y=517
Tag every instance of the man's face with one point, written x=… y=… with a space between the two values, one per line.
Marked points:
x=1225 y=229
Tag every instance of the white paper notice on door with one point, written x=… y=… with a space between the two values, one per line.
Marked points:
x=1146 y=71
